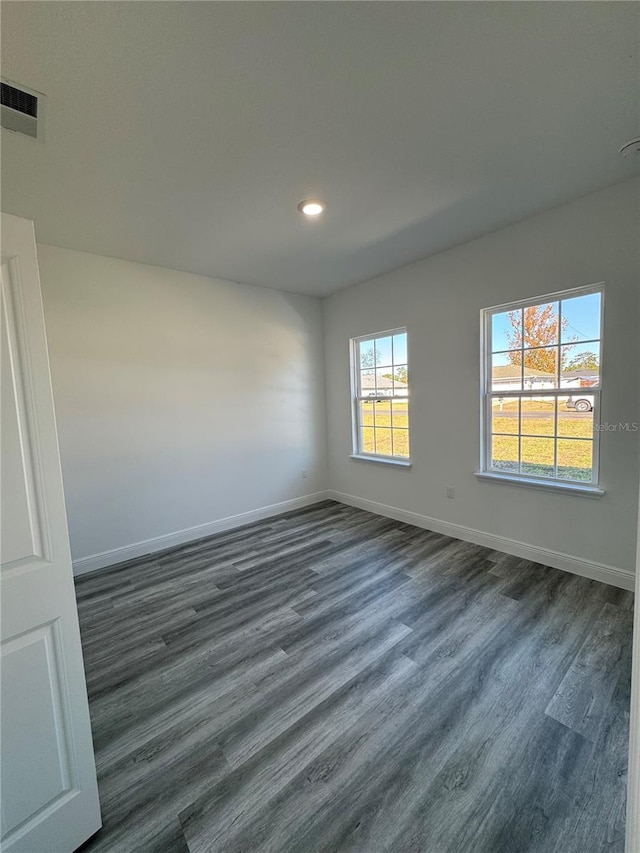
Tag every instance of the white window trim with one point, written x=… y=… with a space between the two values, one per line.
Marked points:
x=592 y=488
x=398 y=461
x=570 y=486
x=356 y=453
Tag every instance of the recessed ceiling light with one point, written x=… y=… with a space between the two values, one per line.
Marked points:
x=631 y=147
x=311 y=207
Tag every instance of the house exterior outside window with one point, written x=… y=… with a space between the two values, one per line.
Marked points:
x=541 y=388
x=380 y=396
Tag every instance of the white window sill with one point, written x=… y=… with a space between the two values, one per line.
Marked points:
x=585 y=491
x=386 y=460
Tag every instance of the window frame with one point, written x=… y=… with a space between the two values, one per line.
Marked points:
x=357 y=398
x=487 y=395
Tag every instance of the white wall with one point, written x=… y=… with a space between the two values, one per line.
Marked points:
x=180 y=400
x=439 y=299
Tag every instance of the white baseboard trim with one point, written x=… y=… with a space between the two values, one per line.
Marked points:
x=190 y=534
x=622 y=578
x=596 y=571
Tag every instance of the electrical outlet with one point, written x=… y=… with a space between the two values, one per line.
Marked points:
x=304 y=473
x=451 y=492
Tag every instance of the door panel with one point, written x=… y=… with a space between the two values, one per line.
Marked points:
x=33 y=719
x=20 y=517
x=49 y=789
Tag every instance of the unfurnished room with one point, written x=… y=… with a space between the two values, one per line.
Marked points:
x=320 y=416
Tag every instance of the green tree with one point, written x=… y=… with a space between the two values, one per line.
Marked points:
x=584 y=361
x=368 y=357
x=402 y=374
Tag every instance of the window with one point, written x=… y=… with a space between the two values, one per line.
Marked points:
x=381 y=396
x=541 y=388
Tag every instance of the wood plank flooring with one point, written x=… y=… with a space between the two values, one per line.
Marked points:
x=330 y=680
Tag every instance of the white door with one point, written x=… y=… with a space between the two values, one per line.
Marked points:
x=48 y=780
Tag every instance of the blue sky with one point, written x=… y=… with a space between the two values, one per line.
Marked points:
x=581 y=312
x=384 y=348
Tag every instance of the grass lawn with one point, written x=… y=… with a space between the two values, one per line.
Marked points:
x=537 y=443
x=377 y=418
x=385 y=431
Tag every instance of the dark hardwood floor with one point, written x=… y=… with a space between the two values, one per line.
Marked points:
x=330 y=680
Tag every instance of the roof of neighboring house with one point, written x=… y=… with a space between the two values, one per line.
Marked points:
x=368 y=382
x=588 y=373
x=512 y=371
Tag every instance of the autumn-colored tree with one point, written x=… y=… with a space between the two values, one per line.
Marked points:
x=539 y=329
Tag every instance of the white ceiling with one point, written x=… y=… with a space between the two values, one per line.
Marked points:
x=184 y=134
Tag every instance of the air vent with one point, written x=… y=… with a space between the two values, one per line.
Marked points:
x=19 y=109
x=18 y=100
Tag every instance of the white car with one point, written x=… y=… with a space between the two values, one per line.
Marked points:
x=580 y=404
